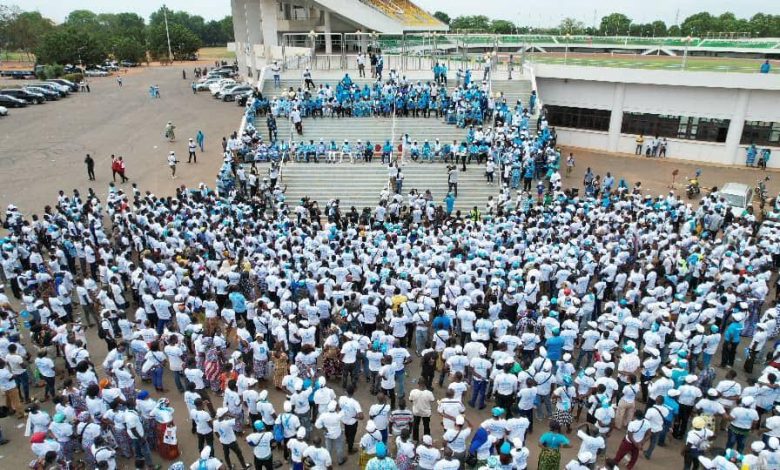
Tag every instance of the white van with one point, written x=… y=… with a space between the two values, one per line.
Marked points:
x=737 y=195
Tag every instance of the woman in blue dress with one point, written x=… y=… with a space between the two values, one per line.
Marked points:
x=551 y=443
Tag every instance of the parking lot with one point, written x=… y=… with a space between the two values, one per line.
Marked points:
x=42 y=147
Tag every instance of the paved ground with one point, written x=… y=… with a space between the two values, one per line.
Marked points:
x=42 y=150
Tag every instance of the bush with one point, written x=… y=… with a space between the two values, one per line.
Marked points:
x=73 y=77
x=50 y=71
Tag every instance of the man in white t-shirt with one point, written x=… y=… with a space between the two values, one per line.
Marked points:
x=224 y=426
x=260 y=441
x=330 y=421
x=637 y=432
x=321 y=457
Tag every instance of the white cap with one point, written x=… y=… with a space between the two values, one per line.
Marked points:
x=690 y=378
x=301 y=433
x=287 y=407
x=221 y=412
x=427 y=440
x=206 y=452
x=370 y=426
x=757 y=446
x=460 y=420
x=332 y=405
x=264 y=395
x=584 y=457
x=673 y=393
x=748 y=401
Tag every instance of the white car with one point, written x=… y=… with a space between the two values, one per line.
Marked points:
x=738 y=196
x=96 y=73
x=205 y=84
x=3 y=111
x=221 y=85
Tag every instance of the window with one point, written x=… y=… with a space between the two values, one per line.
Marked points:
x=578 y=118
x=761 y=133
x=677 y=127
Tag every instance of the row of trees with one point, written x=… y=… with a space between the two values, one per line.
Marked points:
x=90 y=37
x=618 y=24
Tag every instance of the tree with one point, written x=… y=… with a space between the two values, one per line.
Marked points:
x=476 y=23
x=699 y=24
x=183 y=41
x=502 y=27
x=69 y=45
x=674 y=31
x=616 y=24
x=127 y=48
x=571 y=26
x=658 y=28
x=443 y=17
x=26 y=30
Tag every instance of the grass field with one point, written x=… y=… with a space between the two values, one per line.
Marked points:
x=696 y=64
x=16 y=56
x=215 y=53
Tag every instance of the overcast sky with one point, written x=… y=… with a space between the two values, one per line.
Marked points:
x=526 y=13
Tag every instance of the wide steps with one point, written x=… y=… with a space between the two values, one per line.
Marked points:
x=377 y=130
x=360 y=184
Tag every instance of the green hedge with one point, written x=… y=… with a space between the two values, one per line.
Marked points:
x=73 y=77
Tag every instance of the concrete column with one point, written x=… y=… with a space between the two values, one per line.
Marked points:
x=328 y=41
x=736 y=126
x=268 y=9
x=253 y=31
x=239 y=32
x=616 y=118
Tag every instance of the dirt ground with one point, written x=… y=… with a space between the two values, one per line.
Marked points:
x=42 y=150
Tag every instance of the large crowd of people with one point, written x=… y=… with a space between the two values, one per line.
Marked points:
x=558 y=320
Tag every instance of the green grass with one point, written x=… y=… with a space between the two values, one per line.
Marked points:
x=215 y=53
x=16 y=56
x=664 y=63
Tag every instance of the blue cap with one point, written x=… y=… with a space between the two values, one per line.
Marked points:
x=497 y=411
x=259 y=425
x=143 y=395
x=381 y=450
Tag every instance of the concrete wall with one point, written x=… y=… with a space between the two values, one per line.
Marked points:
x=735 y=96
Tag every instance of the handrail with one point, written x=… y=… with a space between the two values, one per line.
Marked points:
x=532 y=78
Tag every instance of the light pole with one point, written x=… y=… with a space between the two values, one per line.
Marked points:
x=167 y=33
x=685 y=52
x=566 y=53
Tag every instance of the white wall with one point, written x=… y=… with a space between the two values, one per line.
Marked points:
x=734 y=96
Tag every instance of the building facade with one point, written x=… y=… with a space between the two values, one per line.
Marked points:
x=705 y=116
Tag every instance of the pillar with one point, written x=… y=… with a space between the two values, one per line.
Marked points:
x=616 y=117
x=736 y=126
x=328 y=41
x=268 y=10
x=253 y=31
x=239 y=31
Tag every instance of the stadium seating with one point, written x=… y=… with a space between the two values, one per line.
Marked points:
x=405 y=11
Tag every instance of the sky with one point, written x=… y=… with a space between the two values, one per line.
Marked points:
x=537 y=14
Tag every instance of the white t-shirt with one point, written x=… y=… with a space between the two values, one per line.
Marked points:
x=224 y=429
x=331 y=422
x=261 y=444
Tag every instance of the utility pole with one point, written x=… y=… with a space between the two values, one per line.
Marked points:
x=167 y=34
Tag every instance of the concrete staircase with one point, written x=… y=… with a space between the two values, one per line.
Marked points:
x=360 y=184
x=514 y=90
x=377 y=130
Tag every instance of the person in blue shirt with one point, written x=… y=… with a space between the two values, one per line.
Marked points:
x=551 y=443
x=441 y=322
x=554 y=345
x=238 y=301
x=449 y=201
x=731 y=339
x=765 y=67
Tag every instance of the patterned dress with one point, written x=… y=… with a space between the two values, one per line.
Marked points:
x=212 y=367
x=281 y=368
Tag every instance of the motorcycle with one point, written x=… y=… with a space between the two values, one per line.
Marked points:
x=760 y=191
x=693 y=188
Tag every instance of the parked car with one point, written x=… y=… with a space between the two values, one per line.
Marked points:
x=28 y=96
x=11 y=102
x=3 y=111
x=96 y=73
x=49 y=95
x=231 y=93
x=61 y=90
x=128 y=63
x=205 y=84
x=110 y=66
x=221 y=74
x=738 y=196
x=66 y=83
x=222 y=84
